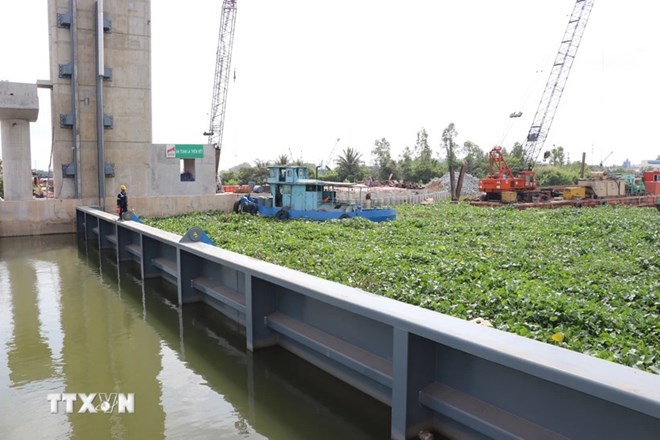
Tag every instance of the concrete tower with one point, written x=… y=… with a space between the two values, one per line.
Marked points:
x=100 y=105
x=100 y=81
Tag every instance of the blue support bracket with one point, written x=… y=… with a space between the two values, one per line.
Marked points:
x=130 y=215
x=196 y=234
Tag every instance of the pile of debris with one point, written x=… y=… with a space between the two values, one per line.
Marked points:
x=470 y=184
x=393 y=184
x=436 y=185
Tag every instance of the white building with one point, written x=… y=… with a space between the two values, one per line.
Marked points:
x=654 y=164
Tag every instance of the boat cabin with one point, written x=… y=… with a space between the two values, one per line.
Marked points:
x=295 y=195
x=292 y=188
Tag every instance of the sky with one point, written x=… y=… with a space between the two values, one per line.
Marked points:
x=307 y=73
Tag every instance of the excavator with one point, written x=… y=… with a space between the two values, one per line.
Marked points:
x=503 y=184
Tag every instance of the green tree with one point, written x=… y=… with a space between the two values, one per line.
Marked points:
x=517 y=151
x=252 y=174
x=476 y=161
x=282 y=159
x=515 y=158
x=406 y=165
x=448 y=136
x=260 y=163
x=331 y=176
x=385 y=165
x=349 y=165
x=548 y=175
x=557 y=156
x=228 y=178
x=425 y=167
x=422 y=149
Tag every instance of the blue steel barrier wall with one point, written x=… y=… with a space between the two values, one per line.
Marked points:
x=436 y=372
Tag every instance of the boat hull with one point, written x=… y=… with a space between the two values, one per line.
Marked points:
x=375 y=215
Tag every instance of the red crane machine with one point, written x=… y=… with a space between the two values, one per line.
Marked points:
x=502 y=181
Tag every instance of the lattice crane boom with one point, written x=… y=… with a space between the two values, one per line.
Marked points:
x=554 y=87
x=222 y=74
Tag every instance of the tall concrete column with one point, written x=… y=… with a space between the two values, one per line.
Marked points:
x=19 y=105
x=126 y=95
x=17 y=173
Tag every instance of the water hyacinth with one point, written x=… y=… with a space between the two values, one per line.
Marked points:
x=589 y=275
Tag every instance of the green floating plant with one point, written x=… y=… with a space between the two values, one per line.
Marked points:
x=584 y=279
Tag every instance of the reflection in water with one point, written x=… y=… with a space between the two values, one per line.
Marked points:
x=31 y=333
x=71 y=320
x=113 y=351
x=28 y=355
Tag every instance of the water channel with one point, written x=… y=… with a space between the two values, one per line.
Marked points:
x=72 y=321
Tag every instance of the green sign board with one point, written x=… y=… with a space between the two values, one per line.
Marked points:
x=184 y=151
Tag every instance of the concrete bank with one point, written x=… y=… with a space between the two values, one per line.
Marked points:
x=56 y=216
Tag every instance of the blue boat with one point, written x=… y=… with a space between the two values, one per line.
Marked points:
x=294 y=195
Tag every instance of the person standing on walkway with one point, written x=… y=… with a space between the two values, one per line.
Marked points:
x=122 y=201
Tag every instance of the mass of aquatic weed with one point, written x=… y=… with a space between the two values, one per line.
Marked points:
x=588 y=279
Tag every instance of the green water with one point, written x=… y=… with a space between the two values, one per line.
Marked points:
x=72 y=321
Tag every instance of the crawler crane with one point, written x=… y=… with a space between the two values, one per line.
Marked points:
x=221 y=78
x=522 y=184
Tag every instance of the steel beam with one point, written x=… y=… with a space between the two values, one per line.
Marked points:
x=437 y=373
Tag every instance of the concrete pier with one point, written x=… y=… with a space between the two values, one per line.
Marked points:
x=19 y=105
x=100 y=88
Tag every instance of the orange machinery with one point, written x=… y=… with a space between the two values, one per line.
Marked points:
x=503 y=185
x=502 y=180
x=651 y=181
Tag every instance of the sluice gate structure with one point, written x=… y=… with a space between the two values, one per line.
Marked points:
x=436 y=372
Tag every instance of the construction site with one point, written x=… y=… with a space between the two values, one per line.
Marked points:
x=101 y=132
x=203 y=308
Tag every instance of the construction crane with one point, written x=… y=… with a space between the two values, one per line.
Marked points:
x=554 y=88
x=606 y=157
x=328 y=161
x=221 y=78
x=503 y=180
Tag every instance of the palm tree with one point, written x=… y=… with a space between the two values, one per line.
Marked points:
x=258 y=163
x=349 y=165
x=282 y=159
